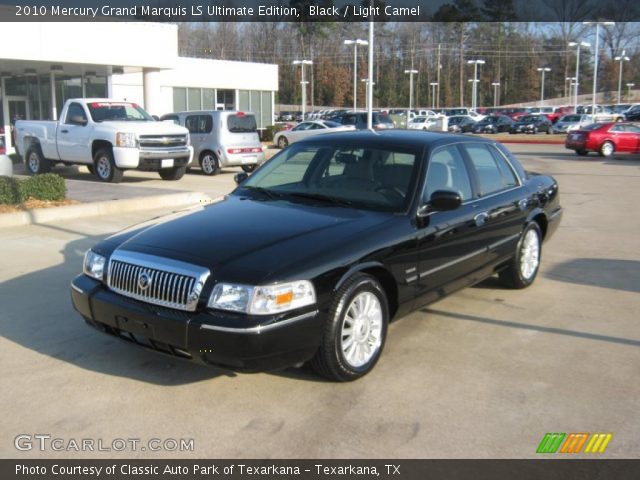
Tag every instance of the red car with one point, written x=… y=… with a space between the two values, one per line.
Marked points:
x=605 y=138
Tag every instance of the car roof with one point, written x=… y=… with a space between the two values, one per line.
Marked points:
x=393 y=138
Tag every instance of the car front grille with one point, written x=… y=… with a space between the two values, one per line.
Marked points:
x=162 y=141
x=156 y=280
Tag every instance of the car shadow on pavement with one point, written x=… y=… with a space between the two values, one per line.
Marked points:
x=532 y=327
x=599 y=272
x=37 y=314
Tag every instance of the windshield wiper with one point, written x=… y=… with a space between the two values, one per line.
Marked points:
x=321 y=197
x=265 y=192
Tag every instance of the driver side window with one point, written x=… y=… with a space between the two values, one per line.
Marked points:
x=447 y=171
x=75 y=110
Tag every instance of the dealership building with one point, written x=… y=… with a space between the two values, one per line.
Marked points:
x=44 y=64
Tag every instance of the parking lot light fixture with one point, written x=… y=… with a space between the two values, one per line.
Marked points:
x=597 y=24
x=474 y=94
x=622 y=58
x=411 y=73
x=629 y=87
x=495 y=86
x=366 y=83
x=542 y=70
x=355 y=44
x=303 y=83
x=579 y=46
x=433 y=94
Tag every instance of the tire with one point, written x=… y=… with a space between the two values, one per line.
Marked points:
x=523 y=268
x=249 y=168
x=35 y=162
x=582 y=152
x=283 y=142
x=607 y=149
x=175 y=173
x=342 y=362
x=105 y=168
x=209 y=163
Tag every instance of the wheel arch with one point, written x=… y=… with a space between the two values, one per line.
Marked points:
x=99 y=145
x=540 y=217
x=380 y=273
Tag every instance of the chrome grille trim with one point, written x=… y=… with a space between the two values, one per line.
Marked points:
x=174 y=284
x=160 y=141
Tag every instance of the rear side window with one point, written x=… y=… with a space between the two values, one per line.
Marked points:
x=199 y=123
x=492 y=170
x=241 y=123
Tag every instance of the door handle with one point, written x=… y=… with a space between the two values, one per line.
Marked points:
x=64 y=131
x=481 y=218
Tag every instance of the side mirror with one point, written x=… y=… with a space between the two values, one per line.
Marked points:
x=441 y=201
x=240 y=177
x=78 y=120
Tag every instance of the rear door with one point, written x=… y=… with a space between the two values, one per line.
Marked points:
x=199 y=127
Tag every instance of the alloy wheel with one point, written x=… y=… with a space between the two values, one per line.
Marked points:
x=361 y=335
x=529 y=254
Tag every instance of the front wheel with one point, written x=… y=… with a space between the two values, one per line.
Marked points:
x=355 y=332
x=606 y=149
x=175 y=173
x=105 y=167
x=523 y=268
x=209 y=164
x=35 y=161
x=249 y=168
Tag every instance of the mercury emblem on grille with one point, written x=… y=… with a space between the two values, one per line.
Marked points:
x=144 y=280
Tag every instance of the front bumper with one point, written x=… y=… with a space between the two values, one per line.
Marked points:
x=151 y=159
x=229 y=340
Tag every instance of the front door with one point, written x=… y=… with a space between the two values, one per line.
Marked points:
x=18 y=110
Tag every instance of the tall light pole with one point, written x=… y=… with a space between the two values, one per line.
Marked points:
x=572 y=83
x=355 y=44
x=595 y=64
x=474 y=95
x=433 y=94
x=578 y=46
x=629 y=86
x=542 y=70
x=622 y=58
x=303 y=83
x=495 y=85
x=366 y=84
x=411 y=74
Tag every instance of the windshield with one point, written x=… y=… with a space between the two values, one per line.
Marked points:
x=367 y=178
x=571 y=118
x=241 y=123
x=418 y=120
x=118 y=112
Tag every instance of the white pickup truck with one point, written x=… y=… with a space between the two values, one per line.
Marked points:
x=108 y=137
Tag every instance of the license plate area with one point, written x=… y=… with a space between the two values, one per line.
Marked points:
x=166 y=163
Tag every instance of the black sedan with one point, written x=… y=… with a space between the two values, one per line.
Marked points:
x=311 y=257
x=493 y=124
x=532 y=124
x=460 y=124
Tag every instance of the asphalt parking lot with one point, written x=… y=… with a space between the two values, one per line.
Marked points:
x=484 y=373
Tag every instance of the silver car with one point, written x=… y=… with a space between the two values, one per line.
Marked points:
x=308 y=129
x=573 y=121
x=221 y=139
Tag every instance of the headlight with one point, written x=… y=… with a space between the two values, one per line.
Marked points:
x=94 y=265
x=262 y=300
x=124 y=139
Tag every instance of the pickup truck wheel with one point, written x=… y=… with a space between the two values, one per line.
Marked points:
x=523 y=268
x=249 y=168
x=355 y=332
x=209 y=164
x=105 y=168
x=35 y=161
x=175 y=173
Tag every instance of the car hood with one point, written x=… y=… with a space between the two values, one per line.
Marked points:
x=243 y=239
x=145 y=128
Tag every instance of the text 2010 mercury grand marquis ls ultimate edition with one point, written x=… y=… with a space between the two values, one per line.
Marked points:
x=312 y=256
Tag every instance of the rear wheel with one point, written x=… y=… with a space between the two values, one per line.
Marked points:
x=606 y=149
x=209 y=164
x=105 y=167
x=249 y=168
x=35 y=161
x=523 y=268
x=175 y=173
x=283 y=142
x=355 y=332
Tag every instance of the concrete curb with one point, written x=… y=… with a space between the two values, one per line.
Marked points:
x=46 y=215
